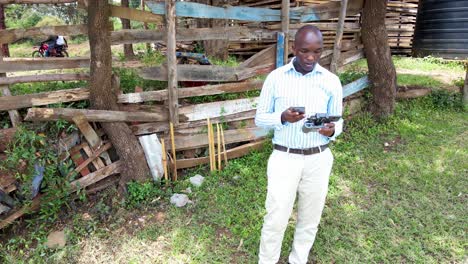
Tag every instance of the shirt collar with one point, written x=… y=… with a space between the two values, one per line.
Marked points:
x=290 y=66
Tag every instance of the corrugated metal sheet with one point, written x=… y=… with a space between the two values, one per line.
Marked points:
x=442 y=29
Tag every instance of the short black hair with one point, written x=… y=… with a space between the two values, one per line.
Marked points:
x=308 y=28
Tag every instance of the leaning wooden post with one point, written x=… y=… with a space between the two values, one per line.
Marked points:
x=338 y=37
x=172 y=62
x=285 y=27
x=5 y=91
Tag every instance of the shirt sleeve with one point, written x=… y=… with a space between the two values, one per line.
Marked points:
x=335 y=106
x=266 y=116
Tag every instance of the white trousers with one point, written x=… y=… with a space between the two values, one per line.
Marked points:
x=289 y=174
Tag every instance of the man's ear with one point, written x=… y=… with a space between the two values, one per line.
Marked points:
x=293 y=49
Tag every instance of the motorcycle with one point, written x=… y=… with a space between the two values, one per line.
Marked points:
x=55 y=52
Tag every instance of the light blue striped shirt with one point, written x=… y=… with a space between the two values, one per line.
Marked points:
x=318 y=91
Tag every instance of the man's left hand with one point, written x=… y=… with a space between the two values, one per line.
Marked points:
x=328 y=129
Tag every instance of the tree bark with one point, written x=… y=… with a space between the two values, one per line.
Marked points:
x=103 y=95
x=214 y=48
x=128 y=48
x=382 y=72
x=4 y=47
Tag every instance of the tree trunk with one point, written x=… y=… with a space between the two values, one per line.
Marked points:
x=103 y=94
x=214 y=48
x=128 y=48
x=382 y=72
x=4 y=47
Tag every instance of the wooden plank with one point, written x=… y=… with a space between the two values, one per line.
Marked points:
x=326 y=11
x=280 y=49
x=135 y=14
x=231 y=154
x=161 y=95
x=183 y=142
x=35 y=64
x=150 y=128
x=304 y=14
x=172 y=69
x=15 y=117
x=265 y=56
x=185 y=72
x=12 y=35
x=38 y=99
x=90 y=135
x=196 y=10
x=78 y=159
x=93 y=156
x=130 y=36
x=355 y=86
x=338 y=38
x=217 y=109
x=54 y=114
x=98 y=163
x=45 y=78
x=285 y=4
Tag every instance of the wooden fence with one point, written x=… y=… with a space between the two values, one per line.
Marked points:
x=151 y=111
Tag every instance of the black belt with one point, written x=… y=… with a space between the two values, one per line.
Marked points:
x=308 y=151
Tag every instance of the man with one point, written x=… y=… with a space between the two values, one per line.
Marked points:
x=51 y=45
x=301 y=162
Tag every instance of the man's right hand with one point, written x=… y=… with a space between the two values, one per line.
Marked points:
x=291 y=116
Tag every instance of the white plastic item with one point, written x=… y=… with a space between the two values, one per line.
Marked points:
x=153 y=153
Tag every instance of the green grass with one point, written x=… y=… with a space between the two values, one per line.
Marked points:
x=426 y=64
x=404 y=202
x=418 y=80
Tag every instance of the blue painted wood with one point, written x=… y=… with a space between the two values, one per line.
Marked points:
x=279 y=49
x=190 y=9
x=356 y=86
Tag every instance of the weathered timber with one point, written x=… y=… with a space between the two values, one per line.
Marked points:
x=260 y=58
x=172 y=71
x=161 y=95
x=12 y=35
x=326 y=11
x=90 y=135
x=231 y=154
x=98 y=163
x=135 y=14
x=280 y=41
x=197 y=10
x=149 y=128
x=356 y=86
x=338 y=37
x=182 y=142
x=193 y=34
x=205 y=73
x=54 y=114
x=217 y=109
x=285 y=4
x=29 y=100
x=44 y=78
x=34 y=64
x=304 y=13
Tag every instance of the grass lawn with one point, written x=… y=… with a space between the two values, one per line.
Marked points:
x=397 y=194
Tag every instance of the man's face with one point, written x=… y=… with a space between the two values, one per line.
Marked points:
x=308 y=48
